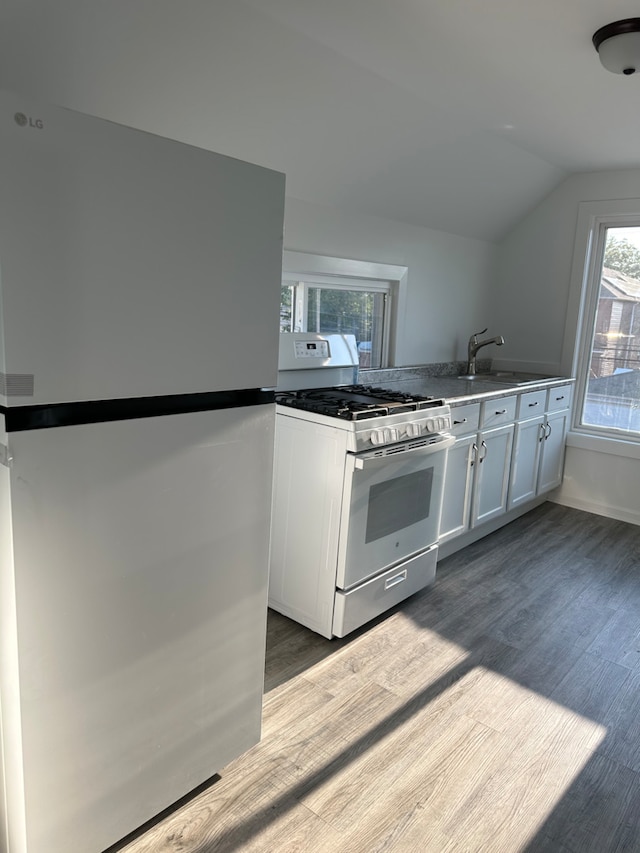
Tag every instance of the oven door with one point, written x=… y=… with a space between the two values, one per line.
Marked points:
x=391 y=507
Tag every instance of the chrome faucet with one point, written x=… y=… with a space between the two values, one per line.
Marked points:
x=475 y=345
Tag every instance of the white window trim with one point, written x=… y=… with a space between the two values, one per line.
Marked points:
x=306 y=266
x=593 y=218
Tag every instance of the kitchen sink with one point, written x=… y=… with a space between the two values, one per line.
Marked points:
x=508 y=377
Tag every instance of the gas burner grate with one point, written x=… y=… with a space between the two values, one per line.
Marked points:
x=391 y=396
x=355 y=402
x=337 y=407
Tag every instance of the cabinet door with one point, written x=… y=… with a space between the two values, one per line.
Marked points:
x=552 y=451
x=527 y=442
x=492 y=474
x=457 y=488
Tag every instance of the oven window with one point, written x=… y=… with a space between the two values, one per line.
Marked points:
x=398 y=503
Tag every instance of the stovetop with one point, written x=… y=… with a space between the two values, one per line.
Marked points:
x=355 y=402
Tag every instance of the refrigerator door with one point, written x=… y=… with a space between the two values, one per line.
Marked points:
x=132 y=265
x=140 y=588
x=12 y=817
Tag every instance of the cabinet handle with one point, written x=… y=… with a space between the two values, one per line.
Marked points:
x=559 y=398
x=542 y=432
x=474 y=454
x=482 y=458
x=549 y=433
x=502 y=412
x=463 y=421
x=531 y=405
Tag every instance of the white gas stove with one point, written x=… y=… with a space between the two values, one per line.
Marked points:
x=373 y=416
x=359 y=473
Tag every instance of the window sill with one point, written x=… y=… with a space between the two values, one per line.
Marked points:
x=602 y=444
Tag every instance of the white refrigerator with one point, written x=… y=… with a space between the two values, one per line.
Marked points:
x=139 y=308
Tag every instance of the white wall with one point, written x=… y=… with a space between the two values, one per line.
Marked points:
x=531 y=298
x=150 y=65
x=140 y=68
x=448 y=277
x=601 y=482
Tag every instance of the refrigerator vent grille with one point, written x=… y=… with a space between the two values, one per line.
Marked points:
x=16 y=384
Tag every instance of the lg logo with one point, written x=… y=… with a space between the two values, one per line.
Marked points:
x=26 y=121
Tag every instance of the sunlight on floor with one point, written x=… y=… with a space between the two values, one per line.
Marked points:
x=472 y=749
x=543 y=748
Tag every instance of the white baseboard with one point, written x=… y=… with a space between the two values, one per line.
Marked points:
x=615 y=512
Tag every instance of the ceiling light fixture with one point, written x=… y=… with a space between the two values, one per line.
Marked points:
x=618 y=46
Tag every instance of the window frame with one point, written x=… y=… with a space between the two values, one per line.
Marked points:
x=594 y=218
x=346 y=273
x=300 y=302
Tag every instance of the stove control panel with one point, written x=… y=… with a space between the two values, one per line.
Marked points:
x=413 y=429
x=311 y=349
x=314 y=351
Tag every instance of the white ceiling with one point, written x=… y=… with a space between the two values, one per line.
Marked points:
x=458 y=115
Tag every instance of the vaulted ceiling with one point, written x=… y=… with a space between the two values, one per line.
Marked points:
x=450 y=114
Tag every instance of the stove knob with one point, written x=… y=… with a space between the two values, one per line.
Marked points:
x=386 y=435
x=429 y=425
x=382 y=436
x=413 y=430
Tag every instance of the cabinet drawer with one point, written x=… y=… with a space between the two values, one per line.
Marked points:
x=465 y=419
x=559 y=398
x=531 y=404
x=496 y=412
x=363 y=603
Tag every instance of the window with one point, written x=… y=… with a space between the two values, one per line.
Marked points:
x=344 y=306
x=339 y=295
x=608 y=368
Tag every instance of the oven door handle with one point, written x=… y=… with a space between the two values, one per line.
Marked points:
x=372 y=458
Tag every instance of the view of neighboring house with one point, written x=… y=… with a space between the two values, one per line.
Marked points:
x=616 y=342
x=613 y=396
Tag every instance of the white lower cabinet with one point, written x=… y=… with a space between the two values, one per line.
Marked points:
x=538 y=451
x=491 y=474
x=456 y=497
x=526 y=461
x=552 y=454
x=477 y=479
x=508 y=451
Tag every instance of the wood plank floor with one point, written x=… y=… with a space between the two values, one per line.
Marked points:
x=497 y=711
